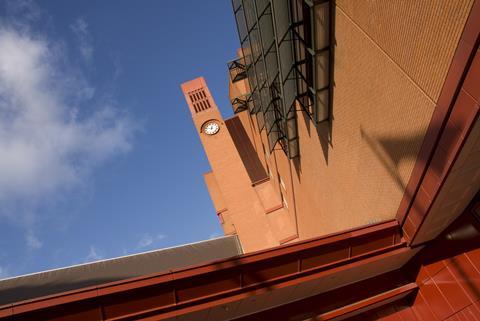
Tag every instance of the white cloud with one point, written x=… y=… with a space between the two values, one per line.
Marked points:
x=147 y=240
x=49 y=139
x=32 y=241
x=93 y=255
x=80 y=29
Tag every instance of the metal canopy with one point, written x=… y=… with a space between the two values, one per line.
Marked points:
x=79 y=276
x=237 y=71
x=287 y=58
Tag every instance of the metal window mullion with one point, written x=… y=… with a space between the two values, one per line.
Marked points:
x=294 y=50
x=263 y=12
x=289 y=110
x=287 y=33
x=329 y=47
x=314 y=64
x=246 y=21
x=253 y=65
x=277 y=52
x=271 y=45
x=236 y=21
x=331 y=37
x=281 y=79
x=299 y=37
x=289 y=75
x=269 y=131
x=258 y=86
x=300 y=74
x=246 y=37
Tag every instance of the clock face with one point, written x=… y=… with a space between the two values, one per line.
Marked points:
x=211 y=128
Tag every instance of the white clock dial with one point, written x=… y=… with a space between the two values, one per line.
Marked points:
x=211 y=128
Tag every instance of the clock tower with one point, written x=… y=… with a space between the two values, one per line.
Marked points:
x=243 y=196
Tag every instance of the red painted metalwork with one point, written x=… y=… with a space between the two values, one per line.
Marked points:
x=447 y=273
x=194 y=289
x=420 y=177
x=399 y=310
x=455 y=115
x=362 y=296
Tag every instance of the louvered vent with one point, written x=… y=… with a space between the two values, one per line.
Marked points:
x=199 y=100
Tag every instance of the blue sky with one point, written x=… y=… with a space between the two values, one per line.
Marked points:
x=98 y=154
